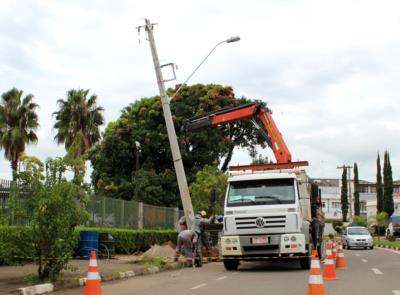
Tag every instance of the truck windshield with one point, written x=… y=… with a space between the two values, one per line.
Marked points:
x=261 y=192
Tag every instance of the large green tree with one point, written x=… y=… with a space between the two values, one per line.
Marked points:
x=114 y=160
x=388 y=204
x=379 y=187
x=78 y=115
x=356 y=192
x=18 y=123
x=344 y=196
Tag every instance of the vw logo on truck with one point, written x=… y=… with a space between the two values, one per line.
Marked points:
x=260 y=222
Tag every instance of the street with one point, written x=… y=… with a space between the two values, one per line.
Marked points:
x=370 y=272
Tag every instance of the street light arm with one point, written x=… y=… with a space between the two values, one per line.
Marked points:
x=229 y=40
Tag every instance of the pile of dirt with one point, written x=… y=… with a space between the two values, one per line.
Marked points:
x=165 y=251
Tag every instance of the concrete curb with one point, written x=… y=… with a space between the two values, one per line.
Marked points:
x=388 y=247
x=46 y=288
x=37 y=289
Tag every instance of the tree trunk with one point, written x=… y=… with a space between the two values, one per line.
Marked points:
x=228 y=159
x=14 y=168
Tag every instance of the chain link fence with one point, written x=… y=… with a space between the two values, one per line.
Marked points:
x=116 y=213
x=112 y=213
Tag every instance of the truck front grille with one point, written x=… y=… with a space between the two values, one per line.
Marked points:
x=260 y=248
x=269 y=222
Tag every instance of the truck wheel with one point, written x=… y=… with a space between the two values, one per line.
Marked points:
x=231 y=264
x=305 y=263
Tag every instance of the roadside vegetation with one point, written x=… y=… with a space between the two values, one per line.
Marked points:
x=392 y=243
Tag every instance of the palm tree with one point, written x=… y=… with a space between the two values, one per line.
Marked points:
x=78 y=118
x=18 y=123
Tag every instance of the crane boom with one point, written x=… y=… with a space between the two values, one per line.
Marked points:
x=257 y=114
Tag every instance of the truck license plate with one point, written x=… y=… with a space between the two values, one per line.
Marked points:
x=260 y=240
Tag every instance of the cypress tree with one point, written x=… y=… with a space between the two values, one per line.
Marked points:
x=379 y=188
x=388 y=205
x=343 y=196
x=356 y=192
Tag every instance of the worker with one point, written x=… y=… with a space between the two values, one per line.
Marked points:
x=200 y=221
x=186 y=239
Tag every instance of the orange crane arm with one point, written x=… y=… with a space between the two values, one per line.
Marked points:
x=257 y=114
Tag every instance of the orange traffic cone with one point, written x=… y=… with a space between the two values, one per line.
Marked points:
x=334 y=250
x=329 y=269
x=315 y=282
x=93 y=279
x=328 y=249
x=340 y=261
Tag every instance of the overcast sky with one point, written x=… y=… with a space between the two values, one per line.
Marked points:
x=329 y=70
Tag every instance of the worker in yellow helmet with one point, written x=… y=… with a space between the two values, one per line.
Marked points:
x=200 y=221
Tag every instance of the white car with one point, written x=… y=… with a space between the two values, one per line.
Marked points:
x=357 y=236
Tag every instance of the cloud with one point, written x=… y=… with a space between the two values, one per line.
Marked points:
x=328 y=70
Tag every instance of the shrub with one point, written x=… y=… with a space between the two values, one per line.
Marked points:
x=336 y=223
x=128 y=241
x=53 y=207
x=359 y=220
x=339 y=229
x=15 y=244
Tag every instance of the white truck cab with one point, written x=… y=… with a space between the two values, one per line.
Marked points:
x=266 y=215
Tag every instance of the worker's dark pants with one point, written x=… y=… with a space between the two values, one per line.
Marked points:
x=205 y=242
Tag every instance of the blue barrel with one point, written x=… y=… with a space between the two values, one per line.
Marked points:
x=89 y=241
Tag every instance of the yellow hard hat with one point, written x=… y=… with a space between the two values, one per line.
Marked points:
x=203 y=213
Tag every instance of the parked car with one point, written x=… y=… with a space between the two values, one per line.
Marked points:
x=357 y=236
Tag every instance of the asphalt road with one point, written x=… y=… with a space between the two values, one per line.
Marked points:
x=370 y=272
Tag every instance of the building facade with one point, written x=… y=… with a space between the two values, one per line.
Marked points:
x=331 y=201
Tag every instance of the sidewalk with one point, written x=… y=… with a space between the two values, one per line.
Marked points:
x=14 y=277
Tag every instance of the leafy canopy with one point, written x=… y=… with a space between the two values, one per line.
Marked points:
x=78 y=114
x=115 y=159
x=210 y=177
x=18 y=123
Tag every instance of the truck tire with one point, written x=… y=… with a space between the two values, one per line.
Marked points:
x=305 y=262
x=231 y=264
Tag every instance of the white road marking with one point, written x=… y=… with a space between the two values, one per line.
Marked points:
x=198 y=286
x=221 y=278
x=376 y=271
x=396 y=292
x=364 y=260
x=358 y=255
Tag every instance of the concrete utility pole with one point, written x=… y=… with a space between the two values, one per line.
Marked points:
x=349 y=181
x=176 y=154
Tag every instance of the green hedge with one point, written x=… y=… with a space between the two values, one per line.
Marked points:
x=16 y=243
x=131 y=240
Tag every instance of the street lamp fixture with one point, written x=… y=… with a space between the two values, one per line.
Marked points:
x=229 y=40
